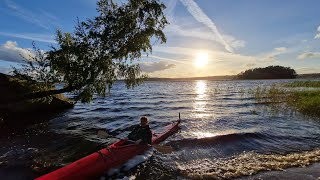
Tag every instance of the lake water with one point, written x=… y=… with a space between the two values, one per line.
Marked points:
x=225 y=132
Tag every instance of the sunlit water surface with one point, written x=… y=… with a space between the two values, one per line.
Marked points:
x=225 y=133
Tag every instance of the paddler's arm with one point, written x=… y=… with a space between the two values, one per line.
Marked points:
x=149 y=136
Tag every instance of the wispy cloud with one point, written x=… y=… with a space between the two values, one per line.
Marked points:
x=170 y=8
x=306 y=55
x=190 y=32
x=200 y=16
x=10 y=51
x=31 y=36
x=272 y=55
x=317 y=36
x=200 y=33
x=249 y=65
x=280 y=49
x=214 y=56
x=166 y=59
x=42 y=19
x=150 y=67
x=233 y=42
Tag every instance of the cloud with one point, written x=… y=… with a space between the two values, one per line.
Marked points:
x=281 y=49
x=42 y=19
x=272 y=55
x=250 y=65
x=10 y=51
x=31 y=36
x=233 y=42
x=306 y=55
x=190 y=32
x=203 y=34
x=317 y=36
x=5 y=70
x=150 y=67
x=201 y=17
x=307 y=70
x=163 y=58
x=170 y=8
x=189 y=53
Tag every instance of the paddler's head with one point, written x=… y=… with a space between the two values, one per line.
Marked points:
x=144 y=121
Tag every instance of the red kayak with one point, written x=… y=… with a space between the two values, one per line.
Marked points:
x=115 y=155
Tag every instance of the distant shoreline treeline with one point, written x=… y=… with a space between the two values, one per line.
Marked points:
x=227 y=77
x=270 y=72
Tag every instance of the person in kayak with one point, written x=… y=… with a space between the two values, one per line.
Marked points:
x=142 y=133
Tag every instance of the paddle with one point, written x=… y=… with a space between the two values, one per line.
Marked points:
x=161 y=148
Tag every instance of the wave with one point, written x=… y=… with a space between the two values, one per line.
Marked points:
x=220 y=139
x=235 y=142
x=245 y=164
x=100 y=109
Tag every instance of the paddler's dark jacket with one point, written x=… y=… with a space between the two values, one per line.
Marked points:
x=141 y=132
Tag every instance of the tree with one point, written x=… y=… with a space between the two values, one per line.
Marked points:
x=270 y=72
x=100 y=51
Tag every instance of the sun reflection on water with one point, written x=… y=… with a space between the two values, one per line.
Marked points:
x=208 y=134
x=200 y=134
x=200 y=100
x=201 y=88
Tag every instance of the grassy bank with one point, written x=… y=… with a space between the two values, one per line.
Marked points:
x=303 y=100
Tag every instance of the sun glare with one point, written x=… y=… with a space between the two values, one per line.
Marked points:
x=201 y=59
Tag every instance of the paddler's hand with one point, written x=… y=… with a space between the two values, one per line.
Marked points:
x=138 y=141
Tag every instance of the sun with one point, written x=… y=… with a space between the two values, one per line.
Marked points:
x=201 y=59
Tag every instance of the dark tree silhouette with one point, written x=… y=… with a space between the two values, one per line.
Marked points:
x=270 y=72
x=100 y=51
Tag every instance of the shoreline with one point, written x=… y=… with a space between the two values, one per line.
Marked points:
x=311 y=172
x=33 y=153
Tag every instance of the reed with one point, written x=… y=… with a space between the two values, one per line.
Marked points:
x=305 y=101
x=315 y=84
x=267 y=95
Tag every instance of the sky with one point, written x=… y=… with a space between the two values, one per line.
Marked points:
x=204 y=37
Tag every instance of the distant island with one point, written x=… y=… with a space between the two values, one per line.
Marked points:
x=270 y=72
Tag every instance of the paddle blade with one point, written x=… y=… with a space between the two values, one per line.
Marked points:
x=163 y=149
x=102 y=134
